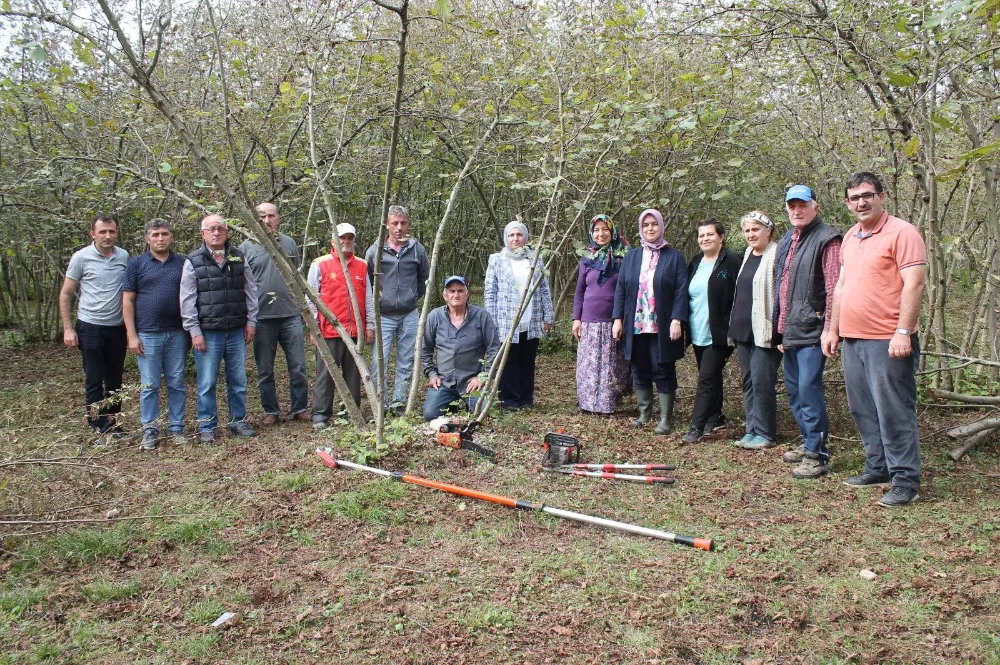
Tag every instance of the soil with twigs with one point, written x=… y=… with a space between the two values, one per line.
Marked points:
x=322 y=565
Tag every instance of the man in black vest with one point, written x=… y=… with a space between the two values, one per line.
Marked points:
x=219 y=310
x=806 y=271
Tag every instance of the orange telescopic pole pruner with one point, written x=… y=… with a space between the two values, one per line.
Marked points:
x=706 y=544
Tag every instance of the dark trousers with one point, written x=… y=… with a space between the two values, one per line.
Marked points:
x=517 y=383
x=882 y=396
x=647 y=370
x=759 y=371
x=324 y=390
x=103 y=349
x=708 y=398
x=286 y=332
x=804 y=385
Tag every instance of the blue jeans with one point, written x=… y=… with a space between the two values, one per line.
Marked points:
x=438 y=401
x=163 y=353
x=221 y=345
x=804 y=385
x=404 y=329
x=286 y=331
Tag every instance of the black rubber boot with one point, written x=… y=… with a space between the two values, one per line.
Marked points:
x=645 y=400
x=666 y=425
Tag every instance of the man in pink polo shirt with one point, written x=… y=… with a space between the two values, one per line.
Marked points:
x=876 y=306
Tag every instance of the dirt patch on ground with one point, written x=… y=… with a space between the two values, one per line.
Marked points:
x=321 y=565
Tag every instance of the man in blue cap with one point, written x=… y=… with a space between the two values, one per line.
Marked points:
x=807 y=268
x=465 y=338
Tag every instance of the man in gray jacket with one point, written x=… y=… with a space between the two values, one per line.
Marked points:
x=278 y=322
x=405 y=269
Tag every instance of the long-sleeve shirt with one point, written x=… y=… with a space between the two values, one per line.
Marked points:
x=463 y=352
x=831 y=273
x=593 y=302
x=189 y=300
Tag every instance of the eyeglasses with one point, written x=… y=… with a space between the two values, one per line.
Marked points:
x=867 y=197
x=214 y=229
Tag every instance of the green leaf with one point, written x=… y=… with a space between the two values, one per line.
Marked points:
x=443 y=9
x=37 y=52
x=901 y=79
x=735 y=162
x=721 y=194
x=911 y=146
x=164 y=167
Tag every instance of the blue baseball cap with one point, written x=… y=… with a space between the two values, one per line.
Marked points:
x=455 y=278
x=800 y=192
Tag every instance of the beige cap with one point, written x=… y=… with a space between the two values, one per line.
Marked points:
x=344 y=229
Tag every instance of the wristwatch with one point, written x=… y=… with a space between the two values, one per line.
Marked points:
x=902 y=331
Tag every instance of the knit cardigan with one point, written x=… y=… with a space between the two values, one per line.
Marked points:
x=762 y=310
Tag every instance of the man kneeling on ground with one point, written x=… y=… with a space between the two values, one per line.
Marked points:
x=466 y=341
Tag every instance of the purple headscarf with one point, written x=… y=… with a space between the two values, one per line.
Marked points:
x=661 y=242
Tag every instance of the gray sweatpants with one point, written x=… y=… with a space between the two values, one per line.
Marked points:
x=882 y=396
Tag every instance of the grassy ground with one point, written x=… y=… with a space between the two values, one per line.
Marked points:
x=336 y=566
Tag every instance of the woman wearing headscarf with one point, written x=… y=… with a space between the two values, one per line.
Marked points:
x=651 y=304
x=711 y=287
x=602 y=372
x=752 y=329
x=507 y=275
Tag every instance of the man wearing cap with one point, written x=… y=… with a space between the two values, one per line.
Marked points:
x=405 y=269
x=875 y=310
x=326 y=278
x=466 y=341
x=806 y=271
x=278 y=322
x=219 y=311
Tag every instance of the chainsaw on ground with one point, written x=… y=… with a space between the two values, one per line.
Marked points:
x=457 y=434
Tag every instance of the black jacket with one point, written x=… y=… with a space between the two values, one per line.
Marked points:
x=222 y=301
x=669 y=291
x=721 y=293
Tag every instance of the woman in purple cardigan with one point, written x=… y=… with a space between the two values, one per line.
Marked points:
x=602 y=372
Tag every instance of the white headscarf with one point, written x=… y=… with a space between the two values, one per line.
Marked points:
x=521 y=252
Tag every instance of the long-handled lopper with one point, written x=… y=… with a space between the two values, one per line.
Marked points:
x=622 y=467
x=607 y=475
x=706 y=544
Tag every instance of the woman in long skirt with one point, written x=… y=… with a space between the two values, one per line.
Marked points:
x=602 y=372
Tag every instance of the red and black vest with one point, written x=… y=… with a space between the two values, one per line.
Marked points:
x=333 y=292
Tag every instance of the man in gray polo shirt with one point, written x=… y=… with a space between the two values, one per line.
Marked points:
x=97 y=271
x=465 y=339
x=278 y=322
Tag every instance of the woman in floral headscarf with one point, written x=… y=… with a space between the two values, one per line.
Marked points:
x=507 y=274
x=602 y=372
x=651 y=304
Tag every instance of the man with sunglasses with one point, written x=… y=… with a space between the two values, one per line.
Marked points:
x=219 y=310
x=876 y=306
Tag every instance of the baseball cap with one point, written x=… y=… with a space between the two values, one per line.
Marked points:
x=800 y=192
x=344 y=229
x=455 y=278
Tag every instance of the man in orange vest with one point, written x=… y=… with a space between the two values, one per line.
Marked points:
x=326 y=277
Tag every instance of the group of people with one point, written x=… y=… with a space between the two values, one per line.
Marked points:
x=635 y=311
x=792 y=299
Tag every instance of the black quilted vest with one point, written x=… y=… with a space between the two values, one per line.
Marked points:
x=222 y=302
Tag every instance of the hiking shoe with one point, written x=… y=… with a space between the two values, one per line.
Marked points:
x=811 y=467
x=898 y=497
x=149 y=438
x=795 y=455
x=301 y=415
x=694 y=434
x=206 y=437
x=745 y=441
x=242 y=428
x=269 y=419
x=178 y=438
x=116 y=433
x=760 y=443
x=867 y=480
x=716 y=424
x=319 y=425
